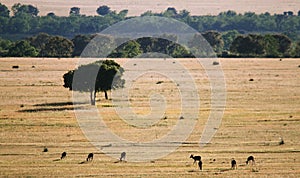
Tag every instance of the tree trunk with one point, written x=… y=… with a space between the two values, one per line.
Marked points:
x=106 y=96
x=93 y=97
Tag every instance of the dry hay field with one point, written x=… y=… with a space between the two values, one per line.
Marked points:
x=36 y=111
x=137 y=7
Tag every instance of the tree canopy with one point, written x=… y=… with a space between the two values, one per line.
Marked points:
x=103 y=10
x=22 y=49
x=95 y=77
x=4 y=12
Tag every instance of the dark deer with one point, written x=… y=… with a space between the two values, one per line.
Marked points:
x=250 y=158
x=196 y=158
x=63 y=155
x=233 y=164
x=123 y=155
x=90 y=157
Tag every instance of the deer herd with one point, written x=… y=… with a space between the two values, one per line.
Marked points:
x=249 y=159
x=233 y=161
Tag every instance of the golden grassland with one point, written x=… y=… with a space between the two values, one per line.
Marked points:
x=137 y=7
x=36 y=112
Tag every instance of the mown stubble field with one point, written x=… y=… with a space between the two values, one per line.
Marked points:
x=36 y=111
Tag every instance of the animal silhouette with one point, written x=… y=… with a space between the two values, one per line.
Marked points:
x=250 y=158
x=63 y=155
x=90 y=157
x=233 y=164
x=123 y=156
x=196 y=158
x=200 y=165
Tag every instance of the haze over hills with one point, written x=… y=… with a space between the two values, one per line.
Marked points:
x=137 y=7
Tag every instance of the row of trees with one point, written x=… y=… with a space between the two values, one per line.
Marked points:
x=25 y=20
x=42 y=45
x=227 y=44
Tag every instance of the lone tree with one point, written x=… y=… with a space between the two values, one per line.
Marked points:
x=103 y=10
x=94 y=77
x=74 y=11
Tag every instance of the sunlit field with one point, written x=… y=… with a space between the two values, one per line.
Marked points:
x=36 y=111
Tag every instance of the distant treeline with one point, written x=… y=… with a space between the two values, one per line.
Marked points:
x=25 y=20
x=227 y=44
x=230 y=34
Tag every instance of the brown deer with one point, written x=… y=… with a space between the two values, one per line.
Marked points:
x=123 y=155
x=63 y=155
x=196 y=158
x=90 y=157
x=250 y=158
x=233 y=164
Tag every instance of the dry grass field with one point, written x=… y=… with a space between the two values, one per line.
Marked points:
x=137 y=7
x=36 y=111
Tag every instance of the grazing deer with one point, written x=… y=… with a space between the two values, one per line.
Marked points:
x=281 y=142
x=196 y=158
x=200 y=165
x=250 y=158
x=63 y=155
x=233 y=164
x=123 y=155
x=90 y=157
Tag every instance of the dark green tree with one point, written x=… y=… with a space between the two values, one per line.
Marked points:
x=58 y=47
x=271 y=46
x=4 y=47
x=228 y=38
x=215 y=40
x=127 y=50
x=184 y=13
x=39 y=42
x=19 y=9
x=296 y=52
x=95 y=77
x=51 y=14
x=103 y=10
x=19 y=24
x=199 y=46
x=170 y=12
x=4 y=12
x=177 y=51
x=284 y=44
x=74 y=11
x=123 y=13
x=80 y=42
x=22 y=49
x=4 y=25
x=249 y=46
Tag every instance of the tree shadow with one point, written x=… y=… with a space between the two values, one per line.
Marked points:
x=60 y=104
x=82 y=162
x=50 y=109
x=226 y=169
